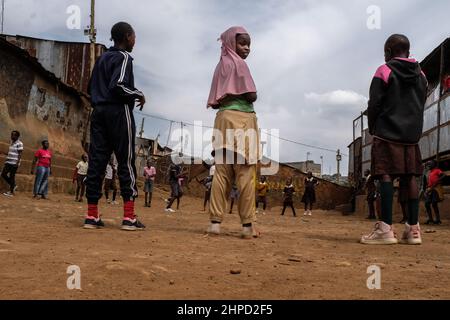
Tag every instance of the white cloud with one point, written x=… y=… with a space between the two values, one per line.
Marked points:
x=337 y=97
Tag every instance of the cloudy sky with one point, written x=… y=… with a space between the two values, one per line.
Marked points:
x=312 y=61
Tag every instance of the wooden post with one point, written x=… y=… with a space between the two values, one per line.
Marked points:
x=92 y=35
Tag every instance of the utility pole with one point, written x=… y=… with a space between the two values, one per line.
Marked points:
x=92 y=33
x=321 y=166
x=142 y=128
x=3 y=15
x=181 y=138
x=338 y=159
x=307 y=161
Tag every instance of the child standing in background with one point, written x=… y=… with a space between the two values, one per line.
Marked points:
x=309 y=197
x=110 y=181
x=371 y=191
x=80 y=176
x=12 y=162
x=288 y=195
x=207 y=183
x=262 y=189
x=149 y=176
x=175 y=174
x=433 y=193
x=43 y=158
x=395 y=116
x=234 y=196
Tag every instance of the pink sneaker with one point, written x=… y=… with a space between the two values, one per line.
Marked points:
x=383 y=234
x=411 y=235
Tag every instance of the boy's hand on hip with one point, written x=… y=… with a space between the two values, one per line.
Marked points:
x=141 y=103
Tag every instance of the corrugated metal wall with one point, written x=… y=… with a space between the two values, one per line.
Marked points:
x=67 y=60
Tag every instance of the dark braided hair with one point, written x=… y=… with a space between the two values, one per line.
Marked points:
x=120 y=31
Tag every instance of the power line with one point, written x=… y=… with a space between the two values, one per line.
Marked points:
x=305 y=145
x=209 y=127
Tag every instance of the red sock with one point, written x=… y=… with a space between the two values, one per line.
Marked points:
x=92 y=211
x=128 y=210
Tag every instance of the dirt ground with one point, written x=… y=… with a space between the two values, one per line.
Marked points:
x=316 y=257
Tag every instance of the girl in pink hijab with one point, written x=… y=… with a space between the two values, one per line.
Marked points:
x=232 y=78
x=233 y=93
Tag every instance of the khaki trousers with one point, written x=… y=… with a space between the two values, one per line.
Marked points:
x=225 y=175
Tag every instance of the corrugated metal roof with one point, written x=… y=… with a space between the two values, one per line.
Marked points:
x=68 y=61
x=38 y=67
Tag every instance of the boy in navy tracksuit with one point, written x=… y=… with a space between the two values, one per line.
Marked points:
x=113 y=129
x=395 y=114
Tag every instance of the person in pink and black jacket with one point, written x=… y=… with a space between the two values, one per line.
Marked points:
x=395 y=116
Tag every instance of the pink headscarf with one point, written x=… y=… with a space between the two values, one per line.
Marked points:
x=232 y=75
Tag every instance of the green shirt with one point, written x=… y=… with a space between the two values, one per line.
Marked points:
x=238 y=105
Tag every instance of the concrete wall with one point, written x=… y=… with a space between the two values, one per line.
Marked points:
x=329 y=195
x=40 y=109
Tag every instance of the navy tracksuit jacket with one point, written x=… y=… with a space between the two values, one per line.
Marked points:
x=113 y=128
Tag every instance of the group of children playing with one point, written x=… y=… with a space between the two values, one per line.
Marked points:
x=397 y=97
x=262 y=189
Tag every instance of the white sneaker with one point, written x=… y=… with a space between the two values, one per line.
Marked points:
x=411 y=235
x=309 y=213
x=170 y=210
x=8 y=194
x=214 y=229
x=306 y=213
x=115 y=202
x=382 y=234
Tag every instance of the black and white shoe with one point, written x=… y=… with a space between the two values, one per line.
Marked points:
x=93 y=223
x=132 y=225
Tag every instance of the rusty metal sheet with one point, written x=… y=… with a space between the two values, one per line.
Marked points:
x=428 y=144
x=69 y=61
